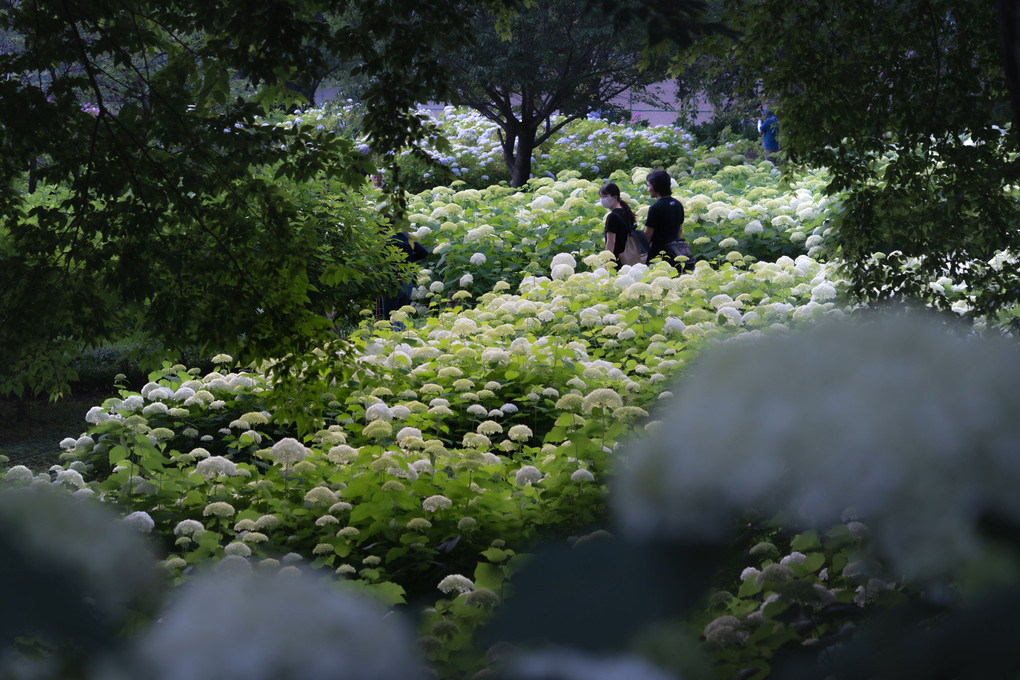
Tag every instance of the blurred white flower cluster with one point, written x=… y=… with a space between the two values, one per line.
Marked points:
x=908 y=424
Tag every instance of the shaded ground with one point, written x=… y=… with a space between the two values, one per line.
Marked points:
x=32 y=438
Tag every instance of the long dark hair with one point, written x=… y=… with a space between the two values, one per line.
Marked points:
x=611 y=189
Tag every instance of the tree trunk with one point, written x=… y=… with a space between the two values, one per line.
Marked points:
x=519 y=163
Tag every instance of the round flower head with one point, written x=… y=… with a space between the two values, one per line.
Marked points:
x=575 y=665
x=378 y=429
x=82 y=543
x=858 y=415
x=520 y=433
x=378 y=411
x=288 y=451
x=527 y=474
x=604 y=398
x=437 y=502
x=489 y=428
x=320 y=495
x=216 y=466
x=19 y=474
x=582 y=475
x=141 y=521
x=218 y=509
x=188 y=527
x=455 y=583
x=260 y=627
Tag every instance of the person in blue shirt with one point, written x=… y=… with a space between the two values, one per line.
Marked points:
x=769 y=128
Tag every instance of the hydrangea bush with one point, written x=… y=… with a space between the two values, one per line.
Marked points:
x=492 y=413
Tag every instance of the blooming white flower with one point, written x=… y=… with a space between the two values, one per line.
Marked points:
x=216 y=466
x=561 y=272
x=219 y=509
x=489 y=428
x=520 y=433
x=71 y=478
x=378 y=411
x=295 y=627
x=823 y=291
x=564 y=258
x=574 y=665
x=320 y=495
x=141 y=521
x=605 y=398
x=478 y=259
x=19 y=474
x=917 y=450
x=188 y=527
x=582 y=475
x=436 y=502
x=455 y=583
x=527 y=474
x=287 y=452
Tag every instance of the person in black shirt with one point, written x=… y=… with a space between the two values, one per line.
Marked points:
x=414 y=252
x=619 y=222
x=664 y=224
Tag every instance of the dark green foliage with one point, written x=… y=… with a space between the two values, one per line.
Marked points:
x=564 y=56
x=140 y=194
x=906 y=104
x=722 y=128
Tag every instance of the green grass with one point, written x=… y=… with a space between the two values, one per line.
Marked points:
x=30 y=432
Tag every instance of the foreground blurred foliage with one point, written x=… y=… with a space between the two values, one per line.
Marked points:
x=860 y=522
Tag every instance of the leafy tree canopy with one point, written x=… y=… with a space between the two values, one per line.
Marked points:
x=140 y=194
x=906 y=104
x=569 y=57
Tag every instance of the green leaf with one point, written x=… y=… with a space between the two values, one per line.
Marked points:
x=117 y=454
x=806 y=541
x=496 y=555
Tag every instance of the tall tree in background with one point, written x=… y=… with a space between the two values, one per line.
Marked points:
x=905 y=102
x=561 y=56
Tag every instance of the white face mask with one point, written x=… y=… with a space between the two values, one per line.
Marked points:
x=607 y=202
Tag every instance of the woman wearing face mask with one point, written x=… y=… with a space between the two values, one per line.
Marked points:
x=619 y=222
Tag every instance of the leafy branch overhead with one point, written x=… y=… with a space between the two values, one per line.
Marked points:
x=143 y=192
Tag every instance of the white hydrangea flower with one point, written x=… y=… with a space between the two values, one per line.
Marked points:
x=378 y=411
x=861 y=416
x=188 y=527
x=527 y=474
x=575 y=665
x=823 y=292
x=478 y=259
x=564 y=258
x=436 y=502
x=216 y=466
x=288 y=628
x=288 y=451
x=561 y=272
x=582 y=475
x=455 y=583
x=70 y=477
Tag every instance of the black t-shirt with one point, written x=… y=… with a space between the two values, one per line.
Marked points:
x=666 y=218
x=414 y=252
x=616 y=223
